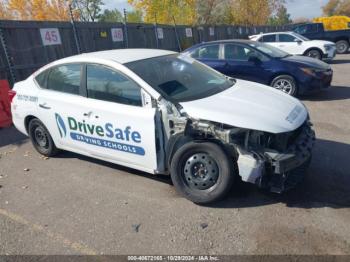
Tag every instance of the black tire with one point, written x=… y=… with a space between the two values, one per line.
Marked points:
x=290 y=89
x=41 y=138
x=314 y=53
x=214 y=159
x=342 y=46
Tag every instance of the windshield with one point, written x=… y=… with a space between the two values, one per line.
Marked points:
x=301 y=36
x=180 y=78
x=269 y=50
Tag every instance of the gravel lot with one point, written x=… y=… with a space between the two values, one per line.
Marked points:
x=72 y=204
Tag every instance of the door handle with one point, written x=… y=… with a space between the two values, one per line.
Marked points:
x=88 y=114
x=44 y=106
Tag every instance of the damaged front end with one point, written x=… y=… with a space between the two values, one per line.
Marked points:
x=273 y=161
x=276 y=161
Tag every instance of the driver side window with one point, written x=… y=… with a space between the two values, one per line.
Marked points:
x=241 y=53
x=106 y=84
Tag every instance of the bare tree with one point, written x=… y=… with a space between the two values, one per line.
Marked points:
x=90 y=10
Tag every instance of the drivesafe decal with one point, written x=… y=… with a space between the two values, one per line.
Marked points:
x=95 y=135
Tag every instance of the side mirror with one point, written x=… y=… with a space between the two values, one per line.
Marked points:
x=254 y=59
x=298 y=41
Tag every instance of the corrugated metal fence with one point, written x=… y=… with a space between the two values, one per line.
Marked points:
x=27 y=45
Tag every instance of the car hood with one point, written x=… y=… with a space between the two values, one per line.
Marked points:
x=305 y=61
x=252 y=106
x=320 y=42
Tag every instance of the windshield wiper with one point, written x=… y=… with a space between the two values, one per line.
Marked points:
x=231 y=79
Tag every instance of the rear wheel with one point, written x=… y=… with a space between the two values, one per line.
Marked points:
x=286 y=84
x=342 y=46
x=314 y=53
x=41 y=138
x=202 y=172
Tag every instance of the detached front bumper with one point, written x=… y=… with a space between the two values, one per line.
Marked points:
x=279 y=171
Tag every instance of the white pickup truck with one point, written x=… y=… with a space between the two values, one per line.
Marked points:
x=164 y=113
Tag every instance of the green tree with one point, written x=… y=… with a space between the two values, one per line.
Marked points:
x=281 y=18
x=253 y=12
x=113 y=16
x=134 y=16
x=183 y=10
x=213 y=12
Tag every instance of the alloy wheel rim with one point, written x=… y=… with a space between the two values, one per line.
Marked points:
x=314 y=54
x=341 y=47
x=201 y=171
x=284 y=86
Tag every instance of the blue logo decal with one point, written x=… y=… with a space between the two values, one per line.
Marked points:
x=61 y=126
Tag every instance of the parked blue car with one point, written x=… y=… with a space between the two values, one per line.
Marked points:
x=258 y=62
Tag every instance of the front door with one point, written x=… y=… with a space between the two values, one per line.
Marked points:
x=290 y=44
x=239 y=64
x=116 y=125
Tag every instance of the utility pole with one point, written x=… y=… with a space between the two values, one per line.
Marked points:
x=177 y=36
x=156 y=30
x=126 y=29
x=75 y=33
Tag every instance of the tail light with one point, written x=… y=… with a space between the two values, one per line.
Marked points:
x=11 y=95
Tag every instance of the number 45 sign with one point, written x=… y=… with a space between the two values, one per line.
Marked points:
x=50 y=36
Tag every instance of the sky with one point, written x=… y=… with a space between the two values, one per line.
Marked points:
x=296 y=8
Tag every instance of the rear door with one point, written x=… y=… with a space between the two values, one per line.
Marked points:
x=210 y=55
x=270 y=39
x=59 y=98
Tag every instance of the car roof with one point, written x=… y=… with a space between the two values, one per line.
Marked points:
x=244 y=41
x=121 y=56
x=273 y=33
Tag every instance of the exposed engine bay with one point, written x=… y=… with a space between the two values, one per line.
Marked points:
x=273 y=161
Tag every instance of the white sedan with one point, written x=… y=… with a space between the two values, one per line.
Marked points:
x=296 y=44
x=164 y=113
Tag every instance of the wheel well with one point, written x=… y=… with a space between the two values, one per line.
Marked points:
x=280 y=74
x=27 y=121
x=342 y=38
x=181 y=140
x=314 y=48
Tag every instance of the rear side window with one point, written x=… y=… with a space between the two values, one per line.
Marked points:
x=268 y=38
x=206 y=52
x=109 y=85
x=65 y=78
x=41 y=79
x=286 y=38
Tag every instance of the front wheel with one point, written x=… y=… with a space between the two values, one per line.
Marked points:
x=41 y=138
x=286 y=84
x=202 y=172
x=342 y=46
x=314 y=54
